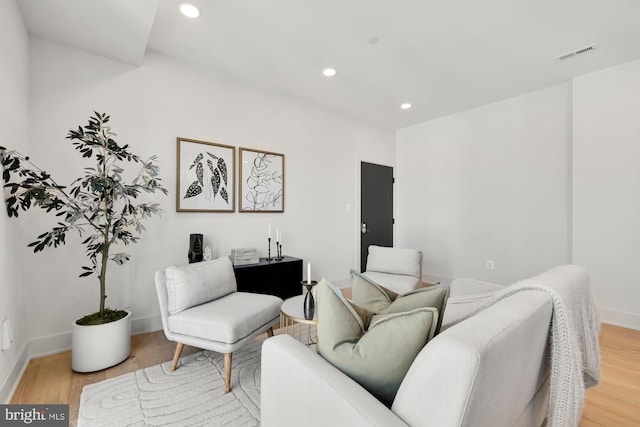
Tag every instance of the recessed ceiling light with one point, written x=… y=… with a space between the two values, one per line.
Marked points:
x=189 y=10
x=329 y=72
x=406 y=106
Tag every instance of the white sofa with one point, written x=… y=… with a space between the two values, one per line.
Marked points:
x=490 y=370
x=397 y=269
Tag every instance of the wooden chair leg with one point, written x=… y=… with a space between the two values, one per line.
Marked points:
x=176 y=356
x=227 y=372
x=270 y=332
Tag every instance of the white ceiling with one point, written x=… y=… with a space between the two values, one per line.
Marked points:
x=114 y=28
x=442 y=56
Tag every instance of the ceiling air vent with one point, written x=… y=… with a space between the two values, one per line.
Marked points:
x=577 y=52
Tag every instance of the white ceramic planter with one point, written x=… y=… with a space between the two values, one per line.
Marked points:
x=98 y=347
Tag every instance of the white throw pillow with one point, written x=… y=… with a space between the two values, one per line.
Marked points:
x=194 y=284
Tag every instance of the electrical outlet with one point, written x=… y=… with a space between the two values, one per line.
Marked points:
x=491 y=264
x=7 y=334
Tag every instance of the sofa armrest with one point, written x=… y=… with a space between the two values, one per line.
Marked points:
x=300 y=388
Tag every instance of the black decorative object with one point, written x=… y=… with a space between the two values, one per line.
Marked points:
x=269 y=256
x=195 y=248
x=281 y=279
x=309 y=301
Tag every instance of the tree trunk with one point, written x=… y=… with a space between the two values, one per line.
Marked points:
x=103 y=276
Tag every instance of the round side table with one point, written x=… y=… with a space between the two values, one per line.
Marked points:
x=292 y=315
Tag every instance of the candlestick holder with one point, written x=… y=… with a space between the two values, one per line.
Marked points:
x=309 y=301
x=279 y=256
x=269 y=253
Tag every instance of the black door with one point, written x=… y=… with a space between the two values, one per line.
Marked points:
x=376 y=208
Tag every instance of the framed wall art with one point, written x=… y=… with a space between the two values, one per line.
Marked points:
x=261 y=181
x=205 y=176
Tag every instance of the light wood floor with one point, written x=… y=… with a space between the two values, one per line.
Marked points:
x=613 y=403
x=50 y=380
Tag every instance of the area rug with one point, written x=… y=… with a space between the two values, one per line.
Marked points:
x=192 y=395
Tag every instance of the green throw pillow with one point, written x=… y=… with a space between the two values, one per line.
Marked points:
x=374 y=352
x=379 y=300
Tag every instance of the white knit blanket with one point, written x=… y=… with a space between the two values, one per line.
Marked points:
x=575 y=352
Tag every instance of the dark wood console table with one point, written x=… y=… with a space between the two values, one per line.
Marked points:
x=280 y=278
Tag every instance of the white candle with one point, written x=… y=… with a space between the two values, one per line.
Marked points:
x=277 y=235
x=269 y=231
x=309 y=272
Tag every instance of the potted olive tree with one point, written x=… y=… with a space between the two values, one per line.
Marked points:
x=100 y=206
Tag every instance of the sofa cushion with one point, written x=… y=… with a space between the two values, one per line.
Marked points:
x=395 y=261
x=193 y=284
x=375 y=298
x=228 y=319
x=376 y=353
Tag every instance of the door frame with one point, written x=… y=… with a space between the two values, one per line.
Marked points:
x=358 y=207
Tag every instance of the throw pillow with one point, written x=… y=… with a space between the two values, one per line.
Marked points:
x=373 y=297
x=194 y=284
x=376 y=353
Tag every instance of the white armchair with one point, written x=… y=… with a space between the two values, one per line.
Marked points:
x=200 y=306
x=399 y=270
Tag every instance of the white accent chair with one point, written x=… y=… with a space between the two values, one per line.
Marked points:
x=200 y=306
x=399 y=270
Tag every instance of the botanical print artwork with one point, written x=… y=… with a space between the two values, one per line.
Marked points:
x=262 y=181
x=264 y=186
x=205 y=172
x=209 y=178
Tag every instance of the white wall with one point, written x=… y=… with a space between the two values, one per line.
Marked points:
x=492 y=183
x=14 y=63
x=546 y=178
x=150 y=106
x=606 y=188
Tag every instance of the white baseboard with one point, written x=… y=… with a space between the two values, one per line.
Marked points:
x=619 y=318
x=435 y=280
x=11 y=382
x=52 y=344
x=143 y=325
